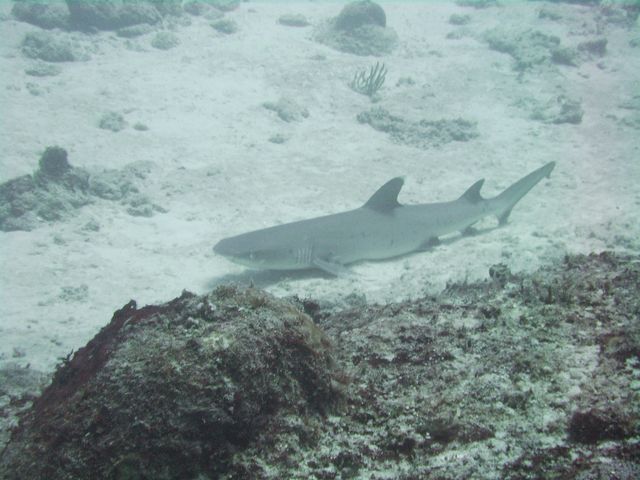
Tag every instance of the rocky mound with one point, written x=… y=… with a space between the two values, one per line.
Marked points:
x=176 y=390
x=57 y=189
x=360 y=28
x=522 y=376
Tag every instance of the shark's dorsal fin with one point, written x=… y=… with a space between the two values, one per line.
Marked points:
x=386 y=197
x=472 y=195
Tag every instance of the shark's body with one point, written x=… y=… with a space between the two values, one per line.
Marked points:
x=381 y=228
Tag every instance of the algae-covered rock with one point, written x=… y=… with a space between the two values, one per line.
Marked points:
x=360 y=28
x=527 y=48
x=57 y=189
x=287 y=109
x=18 y=385
x=50 y=194
x=43 y=69
x=52 y=48
x=556 y=110
x=164 y=40
x=529 y=371
x=421 y=134
x=95 y=14
x=113 y=121
x=535 y=361
x=458 y=19
x=177 y=390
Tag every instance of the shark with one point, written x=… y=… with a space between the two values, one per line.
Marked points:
x=380 y=229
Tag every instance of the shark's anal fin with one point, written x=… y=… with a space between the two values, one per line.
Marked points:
x=332 y=268
x=386 y=197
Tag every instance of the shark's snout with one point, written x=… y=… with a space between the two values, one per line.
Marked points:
x=225 y=248
x=238 y=250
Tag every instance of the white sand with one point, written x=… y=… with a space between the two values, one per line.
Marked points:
x=218 y=175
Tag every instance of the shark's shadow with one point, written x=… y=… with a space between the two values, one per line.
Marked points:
x=266 y=278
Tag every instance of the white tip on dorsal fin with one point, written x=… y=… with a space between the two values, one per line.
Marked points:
x=472 y=195
x=386 y=197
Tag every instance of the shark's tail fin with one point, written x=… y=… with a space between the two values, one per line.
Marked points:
x=504 y=203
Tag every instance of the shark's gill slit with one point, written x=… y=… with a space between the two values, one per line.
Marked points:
x=304 y=256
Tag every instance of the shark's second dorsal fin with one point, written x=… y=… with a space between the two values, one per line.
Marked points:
x=472 y=195
x=386 y=197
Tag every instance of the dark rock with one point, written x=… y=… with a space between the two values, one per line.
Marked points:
x=113 y=121
x=225 y=26
x=557 y=110
x=112 y=185
x=42 y=14
x=360 y=28
x=164 y=40
x=142 y=206
x=594 y=48
x=478 y=4
x=112 y=14
x=197 y=8
x=224 y=5
x=293 y=20
x=357 y=14
x=54 y=163
x=500 y=274
x=565 y=56
x=593 y=426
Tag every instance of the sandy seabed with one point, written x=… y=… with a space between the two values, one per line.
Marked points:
x=217 y=173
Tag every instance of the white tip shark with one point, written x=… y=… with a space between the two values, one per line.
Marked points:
x=382 y=228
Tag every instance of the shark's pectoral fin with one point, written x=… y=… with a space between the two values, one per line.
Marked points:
x=470 y=231
x=428 y=244
x=504 y=217
x=333 y=268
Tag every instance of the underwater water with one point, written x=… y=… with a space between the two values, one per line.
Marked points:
x=137 y=137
